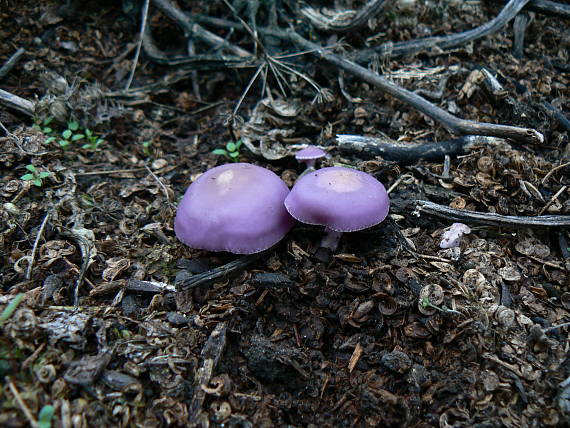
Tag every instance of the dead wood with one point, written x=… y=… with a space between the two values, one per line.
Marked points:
x=494 y=219
x=439 y=44
x=406 y=153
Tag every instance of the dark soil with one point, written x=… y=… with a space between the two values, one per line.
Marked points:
x=97 y=326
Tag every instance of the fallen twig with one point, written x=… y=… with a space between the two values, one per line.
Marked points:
x=210 y=356
x=149 y=286
x=218 y=272
x=439 y=44
x=35 y=247
x=467 y=216
x=25 y=409
x=17 y=103
x=139 y=44
x=12 y=61
x=406 y=153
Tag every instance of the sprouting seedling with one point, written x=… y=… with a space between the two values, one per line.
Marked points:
x=427 y=304
x=93 y=141
x=11 y=308
x=45 y=416
x=43 y=127
x=231 y=151
x=70 y=134
x=146 y=148
x=35 y=176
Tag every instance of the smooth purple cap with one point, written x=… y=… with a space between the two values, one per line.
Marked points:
x=235 y=207
x=342 y=199
x=310 y=153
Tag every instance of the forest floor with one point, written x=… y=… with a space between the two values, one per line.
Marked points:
x=97 y=326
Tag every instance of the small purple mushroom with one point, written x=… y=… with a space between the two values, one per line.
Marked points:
x=341 y=199
x=309 y=156
x=235 y=207
x=451 y=238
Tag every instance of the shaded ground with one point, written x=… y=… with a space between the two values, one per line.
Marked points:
x=287 y=340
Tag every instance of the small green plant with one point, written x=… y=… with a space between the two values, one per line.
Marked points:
x=427 y=304
x=231 y=151
x=146 y=148
x=93 y=141
x=35 y=176
x=45 y=416
x=11 y=308
x=43 y=126
x=70 y=135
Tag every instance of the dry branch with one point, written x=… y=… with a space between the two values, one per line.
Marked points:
x=17 y=103
x=467 y=216
x=439 y=44
x=406 y=153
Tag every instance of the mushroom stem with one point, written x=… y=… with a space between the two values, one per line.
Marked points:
x=310 y=163
x=310 y=168
x=331 y=239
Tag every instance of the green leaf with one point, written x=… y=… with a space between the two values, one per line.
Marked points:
x=27 y=177
x=50 y=139
x=11 y=308
x=47 y=130
x=234 y=155
x=48 y=120
x=238 y=144
x=67 y=134
x=86 y=146
x=44 y=174
x=37 y=182
x=31 y=168
x=45 y=416
x=77 y=137
x=220 y=152
x=231 y=147
x=63 y=143
x=36 y=127
x=73 y=125
x=88 y=133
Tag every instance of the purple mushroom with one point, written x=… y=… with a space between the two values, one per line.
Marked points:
x=451 y=238
x=309 y=156
x=235 y=207
x=341 y=199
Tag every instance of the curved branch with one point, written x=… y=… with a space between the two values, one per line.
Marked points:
x=441 y=43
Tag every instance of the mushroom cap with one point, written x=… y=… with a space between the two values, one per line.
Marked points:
x=310 y=153
x=342 y=199
x=235 y=207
